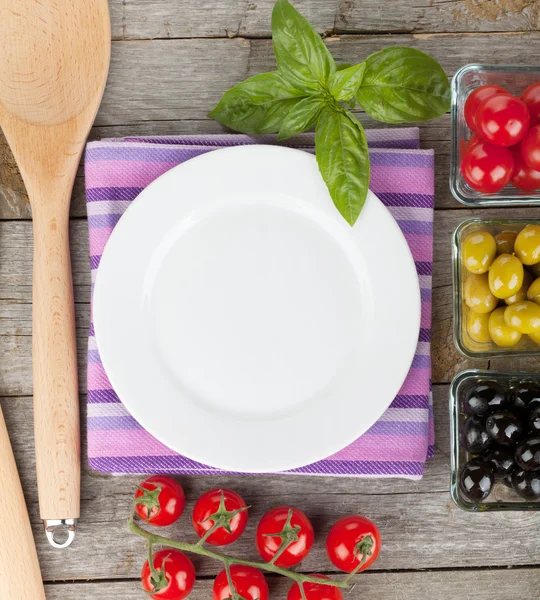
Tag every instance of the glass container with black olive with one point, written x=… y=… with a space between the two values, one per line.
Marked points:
x=495 y=437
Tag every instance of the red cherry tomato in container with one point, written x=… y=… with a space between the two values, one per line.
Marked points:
x=523 y=177
x=314 y=591
x=226 y=509
x=502 y=120
x=487 y=168
x=160 y=500
x=475 y=98
x=531 y=97
x=351 y=541
x=530 y=148
x=249 y=583
x=285 y=531
x=173 y=577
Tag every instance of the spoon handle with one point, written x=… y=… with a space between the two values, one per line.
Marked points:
x=56 y=402
x=20 y=577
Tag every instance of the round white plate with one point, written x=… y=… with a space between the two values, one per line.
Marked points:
x=243 y=322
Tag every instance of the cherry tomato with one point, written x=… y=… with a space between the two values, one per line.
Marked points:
x=475 y=98
x=353 y=544
x=523 y=177
x=531 y=97
x=225 y=512
x=530 y=147
x=315 y=591
x=162 y=498
x=287 y=532
x=173 y=577
x=487 y=168
x=248 y=582
x=502 y=120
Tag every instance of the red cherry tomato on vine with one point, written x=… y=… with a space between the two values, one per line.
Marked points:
x=161 y=500
x=530 y=148
x=287 y=532
x=531 y=97
x=248 y=582
x=487 y=168
x=173 y=576
x=225 y=512
x=314 y=591
x=502 y=120
x=352 y=541
x=523 y=177
x=475 y=98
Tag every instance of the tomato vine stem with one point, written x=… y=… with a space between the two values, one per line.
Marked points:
x=300 y=578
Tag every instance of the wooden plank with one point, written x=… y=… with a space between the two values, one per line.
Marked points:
x=445 y=585
x=15 y=298
x=132 y=19
x=420 y=525
x=199 y=71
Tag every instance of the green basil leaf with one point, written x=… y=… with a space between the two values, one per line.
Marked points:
x=343 y=66
x=302 y=116
x=345 y=83
x=342 y=154
x=301 y=55
x=403 y=85
x=257 y=105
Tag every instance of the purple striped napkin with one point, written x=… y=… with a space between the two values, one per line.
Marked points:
x=117 y=170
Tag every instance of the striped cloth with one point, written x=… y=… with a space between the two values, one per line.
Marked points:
x=117 y=170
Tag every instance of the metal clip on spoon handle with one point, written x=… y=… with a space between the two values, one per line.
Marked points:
x=58 y=529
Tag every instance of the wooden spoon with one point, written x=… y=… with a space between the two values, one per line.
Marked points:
x=20 y=577
x=54 y=59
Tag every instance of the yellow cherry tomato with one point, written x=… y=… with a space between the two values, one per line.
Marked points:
x=527 y=246
x=535 y=337
x=505 y=276
x=478 y=251
x=533 y=293
x=522 y=294
x=523 y=316
x=478 y=327
x=505 y=242
x=500 y=332
x=477 y=295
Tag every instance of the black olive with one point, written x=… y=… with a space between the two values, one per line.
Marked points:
x=528 y=454
x=534 y=419
x=508 y=480
x=524 y=394
x=526 y=484
x=504 y=427
x=475 y=438
x=483 y=398
x=502 y=461
x=476 y=480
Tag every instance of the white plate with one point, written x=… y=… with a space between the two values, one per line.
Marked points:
x=243 y=322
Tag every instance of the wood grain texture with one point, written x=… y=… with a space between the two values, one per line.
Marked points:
x=445 y=585
x=17 y=549
x=46 y=115
x=15 y=298
x=133 y=19
x=197 y=72
x=419 y=523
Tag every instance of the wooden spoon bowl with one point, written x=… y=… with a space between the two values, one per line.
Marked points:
x=54 y=60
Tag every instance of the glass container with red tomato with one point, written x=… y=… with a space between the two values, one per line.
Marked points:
x=495 y=153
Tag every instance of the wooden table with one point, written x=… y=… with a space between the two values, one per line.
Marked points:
x=171 y=61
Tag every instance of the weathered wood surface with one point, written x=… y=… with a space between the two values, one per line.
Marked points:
x=420 y=525
x=445 y=585
x=167 y=86
x=149 y=95
x=133 y=19
x=15 y=298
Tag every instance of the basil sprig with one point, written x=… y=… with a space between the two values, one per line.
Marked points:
x=395 y=85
